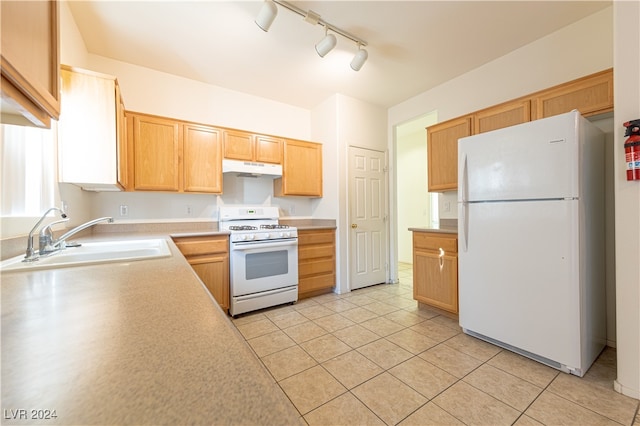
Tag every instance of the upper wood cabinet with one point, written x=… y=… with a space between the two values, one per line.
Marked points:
x=30 y=62
x=301 y=170
x=503 y=115
x=590 y=95
x=157 y=145
x=244 y=146
x=173 y=155
x=202 y=159
x=442 y=152
x=91 y=131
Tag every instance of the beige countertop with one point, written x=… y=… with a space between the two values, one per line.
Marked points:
x=139 y=342
x=446 y=226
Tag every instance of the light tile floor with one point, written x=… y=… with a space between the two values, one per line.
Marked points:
x=374 y=357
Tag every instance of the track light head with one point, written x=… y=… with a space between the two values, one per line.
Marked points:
x=267 y=15
x=325 y=45
x=359 y=59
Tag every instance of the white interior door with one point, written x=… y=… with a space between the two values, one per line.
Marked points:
x=368 y=240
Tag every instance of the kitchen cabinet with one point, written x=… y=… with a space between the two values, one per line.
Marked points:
x=202 y=159
x=156 y=144
x=30 y=44
x=208 y=255
x=173 y=155
x=590 y=95
x=244 y=146
x=301 y=170
x=91 y=131
x=316 y=261
x=435 y=270
x=442 y=152
x=501 y=116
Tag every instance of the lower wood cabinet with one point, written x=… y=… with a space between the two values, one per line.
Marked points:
x=435 y=270
x=209 y=258
x=316 y=261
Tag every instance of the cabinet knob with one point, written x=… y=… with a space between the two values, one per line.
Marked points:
x=354 y=225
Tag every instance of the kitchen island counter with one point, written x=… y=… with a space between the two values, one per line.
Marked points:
x=132 y=342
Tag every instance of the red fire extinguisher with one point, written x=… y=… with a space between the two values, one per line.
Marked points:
x=632 y=149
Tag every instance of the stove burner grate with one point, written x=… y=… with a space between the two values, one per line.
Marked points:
x=242 y=228
x=275 y=226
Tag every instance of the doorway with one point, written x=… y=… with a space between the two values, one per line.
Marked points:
x=415 y=206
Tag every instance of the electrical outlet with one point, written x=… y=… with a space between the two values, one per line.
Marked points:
x=292 y=210
x=447 y=206
x=189 y=210
x=124 y=210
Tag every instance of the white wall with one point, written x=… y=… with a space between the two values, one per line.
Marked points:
x=627 y=107
x=341 y=122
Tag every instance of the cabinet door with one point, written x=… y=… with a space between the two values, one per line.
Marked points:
x=214 y=273
x=590 y=95
x=268 y=149
x=156 y=150
x=436 y=279
x=30 y=62
x=442 y=153
x=238 y=145
x=301 y=169
x=502 y=116
x=202 y=159
x=121 y=131
x=89 y=130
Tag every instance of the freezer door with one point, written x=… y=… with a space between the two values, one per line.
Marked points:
x=535 y=160
x=518 y=277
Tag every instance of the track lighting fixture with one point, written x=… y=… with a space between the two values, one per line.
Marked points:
x=268 y=14
x=359 y=59
x=325 y=45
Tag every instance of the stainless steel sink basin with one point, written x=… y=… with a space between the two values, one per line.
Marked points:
x=93 y=253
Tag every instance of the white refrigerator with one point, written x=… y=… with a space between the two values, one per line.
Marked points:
x=531 y=240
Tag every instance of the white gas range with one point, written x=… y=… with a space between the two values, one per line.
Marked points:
x=263 y=258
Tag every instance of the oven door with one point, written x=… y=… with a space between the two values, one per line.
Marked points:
x=259 y=266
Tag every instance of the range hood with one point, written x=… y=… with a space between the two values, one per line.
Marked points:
x=251 y=169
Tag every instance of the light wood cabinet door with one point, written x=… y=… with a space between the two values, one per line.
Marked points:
x=301 y=170
x=238 y=145
x=30 y=62
x=435 y=270
x=91 y=151
x=442 y=153
x=502 y=116
x=202 y=159
x=590 y=95
x=268 y=149
x=156 y=153
x=209 y=258
x=214 y=273
x=316 y=262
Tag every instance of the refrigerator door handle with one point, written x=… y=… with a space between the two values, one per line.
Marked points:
x=464 y=205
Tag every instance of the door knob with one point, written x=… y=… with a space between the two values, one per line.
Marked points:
x=354 y=225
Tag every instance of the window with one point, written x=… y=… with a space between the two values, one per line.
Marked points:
x=28 y=170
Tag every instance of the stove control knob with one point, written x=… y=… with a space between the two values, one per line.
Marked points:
x=285 y=235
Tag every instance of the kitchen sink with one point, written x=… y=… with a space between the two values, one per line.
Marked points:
x=93 y=253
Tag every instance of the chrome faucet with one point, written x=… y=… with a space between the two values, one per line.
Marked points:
x=61 y=242
x=31 y=255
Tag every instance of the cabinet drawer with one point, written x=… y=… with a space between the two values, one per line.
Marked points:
x=314 y=252
x=317 y=267
x=319 y=282
x=426 y=241
x=194 y=246
x=316 y=237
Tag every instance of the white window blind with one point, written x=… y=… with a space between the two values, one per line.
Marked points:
x=28 y=170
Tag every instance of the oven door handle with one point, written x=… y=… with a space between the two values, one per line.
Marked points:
x=259 y=247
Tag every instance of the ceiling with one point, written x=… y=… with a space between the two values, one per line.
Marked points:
x=412 y=45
